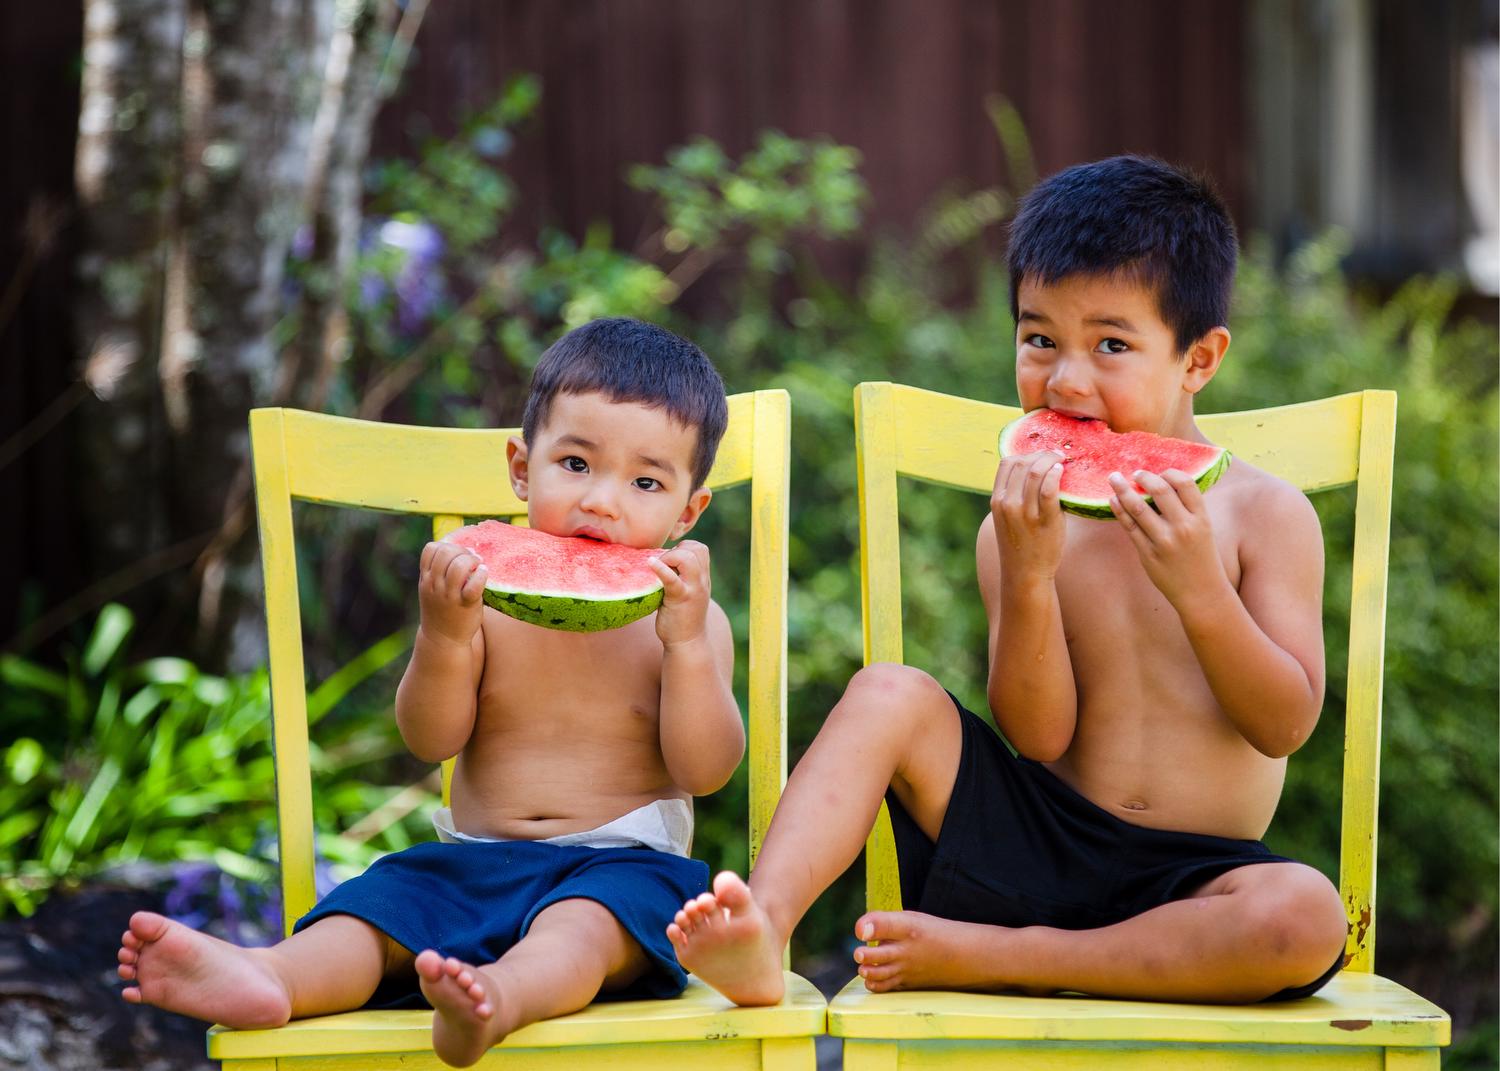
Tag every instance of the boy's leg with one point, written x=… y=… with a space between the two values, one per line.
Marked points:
x=896 y=728
x=1244 y=936
x=573 y=950
x=332 y=965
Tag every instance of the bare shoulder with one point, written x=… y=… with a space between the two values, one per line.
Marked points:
x=1267 y=508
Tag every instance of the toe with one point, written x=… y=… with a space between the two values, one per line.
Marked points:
x=732 y=892
x=148 y=925
x=429 y=964
x=872 y=955
x=131 y=994
x=125 y=955
x=882 y=925
x=126 y=972
x=130 y=940
x=677 y=937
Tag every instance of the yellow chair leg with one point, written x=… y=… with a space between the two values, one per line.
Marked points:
x=788 y=1054
x=869 y=1055
x=249 y=1065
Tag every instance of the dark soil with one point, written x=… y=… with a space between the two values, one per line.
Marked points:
x=60 y=1006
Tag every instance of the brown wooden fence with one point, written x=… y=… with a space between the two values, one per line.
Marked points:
x=902 y=80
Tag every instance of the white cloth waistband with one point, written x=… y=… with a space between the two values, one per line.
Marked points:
x=665 y=825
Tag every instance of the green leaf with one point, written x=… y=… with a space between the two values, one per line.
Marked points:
x=23 y=759
x=111 y=628
x=23 y=674
x=355 y=672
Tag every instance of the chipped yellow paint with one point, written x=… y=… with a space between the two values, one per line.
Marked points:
x=451 y=475
x=902 y=431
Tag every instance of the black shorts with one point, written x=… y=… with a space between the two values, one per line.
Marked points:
x=1019 y=847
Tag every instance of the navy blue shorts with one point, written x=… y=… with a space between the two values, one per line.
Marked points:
x=475 y=901
x=1020 y=847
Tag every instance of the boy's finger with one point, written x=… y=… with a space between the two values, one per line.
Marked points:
x=459 y=570
x=1163 y=495
x=473 y=589
x=669 y=579
x=427 y=555
x=1188 y=492
x=1138 y=514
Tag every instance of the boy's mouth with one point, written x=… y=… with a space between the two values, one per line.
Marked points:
x=590 y=532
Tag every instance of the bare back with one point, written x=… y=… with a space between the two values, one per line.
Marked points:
x=1152 y=744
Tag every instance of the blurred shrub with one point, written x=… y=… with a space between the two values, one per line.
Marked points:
x=110 y=763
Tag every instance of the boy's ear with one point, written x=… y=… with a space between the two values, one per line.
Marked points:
x=697 y=502
x=1204 y=358
x=515 y=460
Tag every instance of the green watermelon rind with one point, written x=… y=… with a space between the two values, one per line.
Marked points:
x=1098 y=508
x=571 y=613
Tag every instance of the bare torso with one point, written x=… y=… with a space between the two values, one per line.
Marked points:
x=1152 y=744
x=566 y=736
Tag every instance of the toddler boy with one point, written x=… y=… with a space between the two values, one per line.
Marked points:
x=575 y=751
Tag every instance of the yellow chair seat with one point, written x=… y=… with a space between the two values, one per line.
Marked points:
x=1354 y=1009
x=698 y=1015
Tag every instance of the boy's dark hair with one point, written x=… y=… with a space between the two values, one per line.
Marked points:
x=632 y=361
x=1138 y=215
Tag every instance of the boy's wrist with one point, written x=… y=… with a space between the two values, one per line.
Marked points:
x=687 y=645
x=433 y=638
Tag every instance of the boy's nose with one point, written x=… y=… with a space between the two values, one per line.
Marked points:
x=600 y=502
x=1068 y=376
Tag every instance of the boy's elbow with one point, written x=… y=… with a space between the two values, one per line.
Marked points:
x=1284 y=739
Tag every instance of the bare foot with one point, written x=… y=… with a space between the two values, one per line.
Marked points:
x=188 y=972
x=466 y=1002
x=725 y=938
x=918 y=951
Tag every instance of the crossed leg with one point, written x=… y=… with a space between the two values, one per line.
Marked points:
x=574 y=950
x=333 y=965
x=1243 y=936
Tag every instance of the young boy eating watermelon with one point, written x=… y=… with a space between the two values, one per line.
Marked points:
x=1153 y=670
x=576 y=750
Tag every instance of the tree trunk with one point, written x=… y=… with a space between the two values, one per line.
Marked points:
x=209 y=133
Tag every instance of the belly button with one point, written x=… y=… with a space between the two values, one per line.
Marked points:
x=1135 y=805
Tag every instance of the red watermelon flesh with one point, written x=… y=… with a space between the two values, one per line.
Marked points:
x=1090 y=452
x=570 y=583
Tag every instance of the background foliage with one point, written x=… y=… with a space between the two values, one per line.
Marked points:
x=114 y=761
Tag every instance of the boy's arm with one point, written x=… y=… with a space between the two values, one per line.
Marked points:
x=702 y=737
x=437 y=699
x=1031 y=689
x=1261 y=647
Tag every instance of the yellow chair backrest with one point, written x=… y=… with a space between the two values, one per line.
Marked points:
x=1318 y=445
x=453 y=474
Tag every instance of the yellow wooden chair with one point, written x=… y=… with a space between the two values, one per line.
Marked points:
x=452 y=474
x=1359 y=1020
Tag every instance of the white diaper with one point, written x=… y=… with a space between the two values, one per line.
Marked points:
x=665 y=825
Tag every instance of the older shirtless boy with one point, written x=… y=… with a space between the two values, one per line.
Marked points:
x=1153 y=672
x=575 y=751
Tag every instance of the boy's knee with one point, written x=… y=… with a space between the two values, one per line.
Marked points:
x=1302 y=920
x=890 y=686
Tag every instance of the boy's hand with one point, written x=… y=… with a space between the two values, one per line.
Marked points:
x=1029 y=522
x=1175 y=540
x=450 y=588
x=685 y=577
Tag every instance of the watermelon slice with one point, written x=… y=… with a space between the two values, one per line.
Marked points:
x=574 y=584
x=1090 y=452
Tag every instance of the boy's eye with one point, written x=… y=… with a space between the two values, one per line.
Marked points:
x=1040 y=341
x=646 y=483
x=1113 y=345
x=575 y=464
